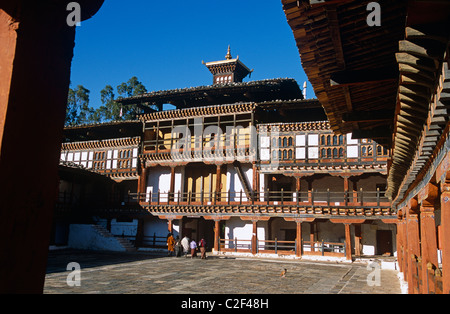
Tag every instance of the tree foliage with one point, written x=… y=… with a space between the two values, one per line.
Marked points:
x=79 y=112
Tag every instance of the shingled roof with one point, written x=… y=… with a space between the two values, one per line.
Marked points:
x=253 y=91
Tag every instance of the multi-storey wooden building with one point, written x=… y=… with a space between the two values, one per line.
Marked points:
x=381 y=71
x=250 y=166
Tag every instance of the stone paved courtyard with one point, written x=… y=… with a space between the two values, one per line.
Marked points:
x=144 y=273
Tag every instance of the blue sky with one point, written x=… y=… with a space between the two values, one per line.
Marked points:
x=163 y=43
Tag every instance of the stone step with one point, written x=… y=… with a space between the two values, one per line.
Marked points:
x=125 y=243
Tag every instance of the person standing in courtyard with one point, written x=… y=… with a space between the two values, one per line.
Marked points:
x=170 y=244
x=202 y=245
x=185 y=244
x=193 y=246
x=178 y=247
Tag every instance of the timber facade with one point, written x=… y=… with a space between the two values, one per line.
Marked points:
x=252 y=167
x=391 y=83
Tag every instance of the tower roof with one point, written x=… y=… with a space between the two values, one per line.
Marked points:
x=230 y=70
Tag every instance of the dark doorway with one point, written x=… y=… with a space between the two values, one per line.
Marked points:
x=384 y=242
x=280 y=183
x=196 y=228
x=290 y=234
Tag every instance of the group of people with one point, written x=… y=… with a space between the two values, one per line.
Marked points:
x=177 y=246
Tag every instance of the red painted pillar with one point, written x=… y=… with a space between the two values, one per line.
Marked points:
x=445 y=236
x=216 y=235
x=218 y=182
x=413 y=242
x=348 y=242
x=171 y=195
x=299 y=247
x=36 y=50
x=254 y=237
x=142 y=183
x=428 y=235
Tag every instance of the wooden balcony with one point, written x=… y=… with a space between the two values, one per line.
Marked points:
x=283 y=247
x=272 y=203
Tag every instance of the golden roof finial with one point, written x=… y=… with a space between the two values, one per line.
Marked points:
x=228 y=56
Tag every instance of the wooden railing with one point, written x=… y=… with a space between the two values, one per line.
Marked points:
x=432 y=283
x=324 y=248
x=434 y=279
x=311 y=198
x=283 y=247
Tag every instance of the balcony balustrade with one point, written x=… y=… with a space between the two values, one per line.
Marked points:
x=358 y=203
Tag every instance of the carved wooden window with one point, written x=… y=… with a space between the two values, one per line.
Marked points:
x=382 y=151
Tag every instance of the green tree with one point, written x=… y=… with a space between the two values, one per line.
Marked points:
x=110 y=111
x=78 y=110
x=129 y=89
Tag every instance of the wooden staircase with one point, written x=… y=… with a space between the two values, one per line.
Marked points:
x=244 y=181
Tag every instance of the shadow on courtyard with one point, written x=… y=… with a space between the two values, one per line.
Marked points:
x=58 y=260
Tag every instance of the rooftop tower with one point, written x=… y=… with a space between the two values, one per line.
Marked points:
x=230 y=70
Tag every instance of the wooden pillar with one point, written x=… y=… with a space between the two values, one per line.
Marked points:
x=255 y=237
x=142 y=182
x=170 y=225
x=357 y=240
x=413 y=242
x=298 y=187
x=255 y=182
x=172 y=185
x=217 y=219
x=345 y=183
x=355 y=189
x=346 y=189
x=299 y=221
x=310 y=190
x=311 y=235
x=216 y=235
x=401 y=242
x=218 y=182
x=36 y=51
x=428 y=239
x=445 y=232
x=299 y=246
x=348 y=242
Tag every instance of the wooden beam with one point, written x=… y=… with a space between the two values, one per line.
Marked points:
x=363 y=76
x=317 y=3
x=379 y=132
x=368 y=116
x=427 y=64
x=437 y=32
x=416 y=90
x=429 y=50
x=416 y=79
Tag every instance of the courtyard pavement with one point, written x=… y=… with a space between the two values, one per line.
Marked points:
x=150 y=273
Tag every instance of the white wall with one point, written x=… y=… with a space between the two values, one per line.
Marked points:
x=85 y=237
x=234 y=185
x=369 y=237
x=158 y=226
x=119 y=228
x=159 y=179
x=243 y=230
